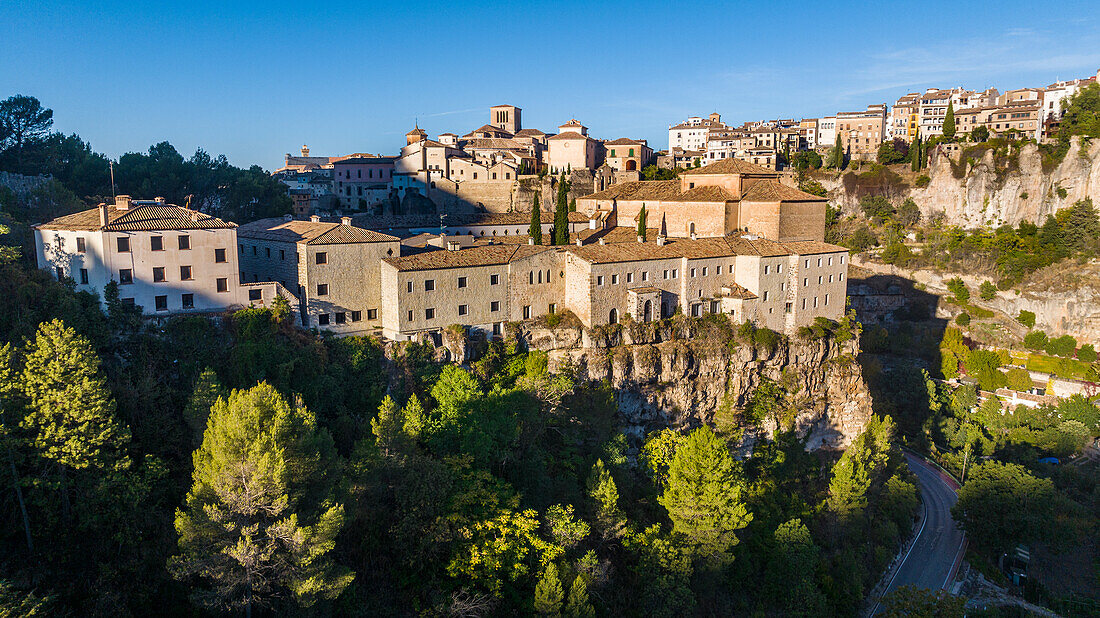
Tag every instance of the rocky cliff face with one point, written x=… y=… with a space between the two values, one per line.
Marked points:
x=669 y=376
x=997 y=191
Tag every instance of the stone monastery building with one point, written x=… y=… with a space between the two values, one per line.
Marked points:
x=728 y=237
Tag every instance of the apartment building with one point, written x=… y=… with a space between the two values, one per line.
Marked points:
x=904 y=117
x=164 y=258
x=826 y=133
x=693 y=133
x=332 y=267
x=861 y=133
x=362 y=183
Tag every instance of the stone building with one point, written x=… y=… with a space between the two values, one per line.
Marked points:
x=627 y=155
x=572 y=148
x=716 y=200
x=861 y=133
x=363 y=183
x=332 y=267
x=164 y=258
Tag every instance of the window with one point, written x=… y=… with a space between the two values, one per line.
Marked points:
x=815 y=302
x=282 y=254
x=129 y=302
x=494 y=279
x=161 y=303
x=820 y=279
x=494 y=305
x=840 y=277
x=184 y=242
x=673 y=273
x=666 y=273
x=779 y=268
x=267 y=252
x=842 y=259
x=125 y=276
x=123 y=245
x=645 y=275
x=188 y=301
x=704 y=271
x=429 y=285
x=807 y=263
x=372 y=314
x=830 y=260
x=463 y=309
x=322 y=257
x=185 y=273
x=599 y=280
x=553 y=308
x=409 y=287
x=527 y=312
x=322 y=319
x=765 y=295
x=84 y=276
x=80 y=245
x=253 y=249
x=830 y=278
x=766 y=269
x=158 y=273
x=826 y=300
x=429 y=313
x=819 y=262
x=341 y=317
x=530 y=277
x=60 y=273
x=692 y=273
x=540 y=276
x=322 y=289
x=219 y=256
x=462 y=282
x=410 y=316
x=787 y=307
x=255 y=295
x=156 y=243
x=223 y=284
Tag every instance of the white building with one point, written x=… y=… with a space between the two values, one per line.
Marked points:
x=692 y=134
x=826 y=132
x=165 y=258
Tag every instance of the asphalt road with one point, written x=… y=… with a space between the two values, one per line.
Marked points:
x=937 y=551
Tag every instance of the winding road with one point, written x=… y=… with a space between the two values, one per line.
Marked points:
x=936 y=553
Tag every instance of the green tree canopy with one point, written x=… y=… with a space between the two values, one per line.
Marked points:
x=703 y=495
x=949 y=121
x=535 y=231
x=1001 y=505
x=259 y=521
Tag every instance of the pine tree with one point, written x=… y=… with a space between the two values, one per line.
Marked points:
x=949 y=121
x=9 y=386
x=702 y=496
x=259 y=521
x=605 y=495
x=388 y=427
x=578 y=605
x=207 y=390
x=71 y=410
x=549 y=593
x=415 y=418
x=561 y=213
x=641 y=222
x=535 y=231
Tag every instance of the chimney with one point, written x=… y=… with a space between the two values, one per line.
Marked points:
x=345 y=220
x=159 y=200
x=602 y=241
x=662 y=235
x=122 y=202
x=102 y=213
x=315 y=218
x=195 y=215
x=694 y=236
x=530 y=240
x=288 y=217
x=580 y=242
x=453 y=245
x=305 y=150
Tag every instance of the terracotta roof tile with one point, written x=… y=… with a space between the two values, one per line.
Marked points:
x=480 y=255
x=310 y=233
x=568 y=135
x=661 y=190
x=811 y=247
x=774 y=191
x=729 y=166
x=139 y=217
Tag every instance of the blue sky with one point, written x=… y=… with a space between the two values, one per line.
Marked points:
x=255 y=80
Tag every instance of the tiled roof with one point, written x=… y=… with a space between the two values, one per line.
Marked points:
x=139 y=217
x=624 y=141
x=310 y=233
x=773 y=191
x=729 y=166
x=533 y=132
x=495 y=143
x=811 y=247
x=737 y=291
x=487 y=128
x=660 y=190
x=702 y=125
x=482 y=255
x=568 y=135
x=362 y=160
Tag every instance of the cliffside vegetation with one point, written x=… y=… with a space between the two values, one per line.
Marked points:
x=195 y=465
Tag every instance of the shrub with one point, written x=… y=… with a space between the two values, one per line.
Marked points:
x=1018 y=379
x=922 y=181
x=1087 y=353
x=987 y=290
x=876 y=207
x=766 y=339
x=958 y=288
x=1063 y=346
x=963 y=319
x=861 y=240
x=1035 y=340
x=1062 y=193
x=1023 y=195
x=1027 y=318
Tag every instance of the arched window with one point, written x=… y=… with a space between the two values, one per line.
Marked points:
x=613 y=317
x=691 y=228
x=647 y=312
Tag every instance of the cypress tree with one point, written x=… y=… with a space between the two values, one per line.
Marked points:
x=641 y=222
x=561 y=213
x=535 y=231
x=916 y=157
x=949 y=122
x=578 y=605
x=573 y=205
x=548 y=592
x=836 y=157
x=259 y=521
